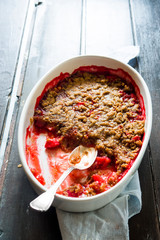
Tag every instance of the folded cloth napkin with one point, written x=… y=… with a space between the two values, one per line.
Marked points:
x=107 y=223
x=125 y=54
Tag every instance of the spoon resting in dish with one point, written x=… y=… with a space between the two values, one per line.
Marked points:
x=80 y=158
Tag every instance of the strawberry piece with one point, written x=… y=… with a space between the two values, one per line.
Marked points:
x=80 y=103
x=140 y=117
x=38 y=176
x=75 y=190
x=52 y=143
x=97 y=178
x=98 y=184
x=101 y=162
x=136 y=138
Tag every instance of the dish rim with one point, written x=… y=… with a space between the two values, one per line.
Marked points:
x=136 y=163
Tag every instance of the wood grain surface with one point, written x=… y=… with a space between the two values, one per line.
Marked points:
x=12 y=21
x=60 y=30
x=146 y=17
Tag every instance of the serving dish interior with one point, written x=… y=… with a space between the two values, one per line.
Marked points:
x=69 y=66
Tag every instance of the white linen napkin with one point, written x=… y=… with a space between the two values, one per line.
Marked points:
x=111 y=221
x=107 y=223
x=125 y=54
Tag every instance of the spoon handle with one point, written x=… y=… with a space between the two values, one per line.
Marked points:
x=44 y=201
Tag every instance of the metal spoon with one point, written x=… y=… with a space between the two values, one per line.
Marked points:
x=80 y=158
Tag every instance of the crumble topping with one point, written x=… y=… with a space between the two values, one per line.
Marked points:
x=96 y=110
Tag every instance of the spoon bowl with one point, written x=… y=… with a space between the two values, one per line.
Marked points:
x=80 y=158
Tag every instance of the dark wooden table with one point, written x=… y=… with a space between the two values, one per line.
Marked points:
x=35 y=36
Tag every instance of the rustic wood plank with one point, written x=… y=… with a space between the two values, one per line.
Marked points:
x=145 y=224
x=146 y=16
x=12 y=18
x=56 y=38
x=11 y=113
